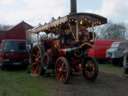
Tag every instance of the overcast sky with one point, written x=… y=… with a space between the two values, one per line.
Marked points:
x=40 y=11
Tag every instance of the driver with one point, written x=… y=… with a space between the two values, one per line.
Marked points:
x=84 y=35
x=67 y=39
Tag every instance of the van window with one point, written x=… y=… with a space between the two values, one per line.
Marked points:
x=16 y=46
x=115 y=44
x=124 y=45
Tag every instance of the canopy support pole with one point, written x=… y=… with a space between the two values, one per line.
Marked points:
x=77 y=31
x=72 y=31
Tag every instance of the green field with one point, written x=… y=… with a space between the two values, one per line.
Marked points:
x=109 y=68
x=20 y=83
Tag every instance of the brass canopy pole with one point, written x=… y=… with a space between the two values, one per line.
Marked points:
x=77 y=30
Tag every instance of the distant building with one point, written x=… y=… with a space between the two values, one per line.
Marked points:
x=16 y=32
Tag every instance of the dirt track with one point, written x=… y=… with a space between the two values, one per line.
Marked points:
x=106 y=85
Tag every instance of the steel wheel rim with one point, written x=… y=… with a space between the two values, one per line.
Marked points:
x=61 y=70
x=90 y=68
x=36 y=61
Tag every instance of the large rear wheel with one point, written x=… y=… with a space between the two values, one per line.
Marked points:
x=62 y=70
x=36 y=68
x=90 y=69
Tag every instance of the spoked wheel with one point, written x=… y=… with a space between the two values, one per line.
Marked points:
x=90 y=69
x=36 y=61
x=62 y=70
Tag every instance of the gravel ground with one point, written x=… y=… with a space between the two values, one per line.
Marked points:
x=107 y=84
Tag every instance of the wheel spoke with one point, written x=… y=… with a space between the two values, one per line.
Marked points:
x=61 y=70
x=90 y=70
x=36 y=61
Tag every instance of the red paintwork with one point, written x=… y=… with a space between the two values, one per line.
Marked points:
x=16 y=32
x=2 y=36
x=99 y=48
x=14 y=56
x=62 y=52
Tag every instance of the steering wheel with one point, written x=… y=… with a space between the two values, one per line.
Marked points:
x=85 y=44
x=78 y=53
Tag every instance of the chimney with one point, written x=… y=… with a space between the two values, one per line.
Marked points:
x=73 y=6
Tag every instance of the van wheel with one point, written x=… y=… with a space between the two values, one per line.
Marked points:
x=3 y=67
x=126 y=70
x=117 y=62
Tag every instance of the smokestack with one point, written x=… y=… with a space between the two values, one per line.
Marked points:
x=73 y=6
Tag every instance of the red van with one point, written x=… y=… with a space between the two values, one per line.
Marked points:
x=99 y=49
x=13 y=53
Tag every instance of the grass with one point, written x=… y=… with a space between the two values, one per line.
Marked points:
x=109 y=68
x=22 y=84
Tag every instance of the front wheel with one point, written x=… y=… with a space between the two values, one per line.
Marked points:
x=62 y=70
x=90 y=69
